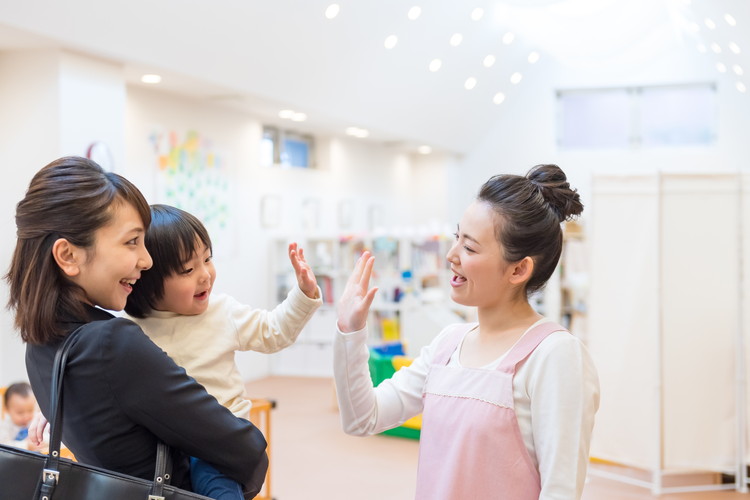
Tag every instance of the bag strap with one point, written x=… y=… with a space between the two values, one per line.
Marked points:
x=51 y=470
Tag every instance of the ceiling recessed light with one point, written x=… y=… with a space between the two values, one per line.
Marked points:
x=414 y=13
x=692 y=28
x=390 y=41
x=710 y=24
x=721 y=67
x=738 y=70
x=533 y=57
x=151 y=78
x=299 y=117
x=332 y=11
x=716 y=48
x=730 y=20
x=515 y=78
x=734 y=47
x=488 y=61
x=286 y=113
x=477 y=14
x=456 y=39
x=424 y=150
x=508 y=38
x=741 y=87
x=499 y=98
x=470 y=83
x=435 y=65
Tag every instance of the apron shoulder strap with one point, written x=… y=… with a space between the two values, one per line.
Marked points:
x=450 y=342
x=526 y=345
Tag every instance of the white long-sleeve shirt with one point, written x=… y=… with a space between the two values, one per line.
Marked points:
x=555 y=392
x=204 y=344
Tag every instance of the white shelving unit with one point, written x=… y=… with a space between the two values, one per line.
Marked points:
x=412 y=304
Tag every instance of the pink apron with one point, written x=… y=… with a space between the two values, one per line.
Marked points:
x=471 y=446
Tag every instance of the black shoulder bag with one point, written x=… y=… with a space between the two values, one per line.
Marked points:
x=28 y=475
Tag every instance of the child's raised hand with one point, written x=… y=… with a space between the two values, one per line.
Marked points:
x=355 y=302
x=305 y=276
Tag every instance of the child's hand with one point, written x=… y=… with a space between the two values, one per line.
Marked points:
x=36 y=430
x=305 y=276
x=354 y=304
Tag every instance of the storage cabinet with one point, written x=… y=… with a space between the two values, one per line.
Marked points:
x=412 y=305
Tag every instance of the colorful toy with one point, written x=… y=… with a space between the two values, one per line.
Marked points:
x=385 y=360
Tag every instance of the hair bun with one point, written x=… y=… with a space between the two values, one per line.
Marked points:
x=553 y=185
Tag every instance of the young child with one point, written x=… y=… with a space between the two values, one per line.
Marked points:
x=174 y=305
x=19 y=407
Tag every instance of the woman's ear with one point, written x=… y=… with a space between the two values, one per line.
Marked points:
x=522 y=271
x=68 y=256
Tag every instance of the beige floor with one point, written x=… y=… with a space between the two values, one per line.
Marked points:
x=312 y=459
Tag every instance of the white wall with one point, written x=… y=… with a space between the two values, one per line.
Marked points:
x=525 y=133
x=28 y=125
x=53 y=104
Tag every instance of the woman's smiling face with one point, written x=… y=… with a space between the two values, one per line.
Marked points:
x=109 y=270
x=476 y=259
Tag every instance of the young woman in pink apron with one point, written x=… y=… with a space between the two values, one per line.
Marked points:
x=508 y=403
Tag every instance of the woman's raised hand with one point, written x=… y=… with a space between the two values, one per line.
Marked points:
x=355 y=302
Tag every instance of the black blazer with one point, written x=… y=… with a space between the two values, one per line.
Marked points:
x=122 y=393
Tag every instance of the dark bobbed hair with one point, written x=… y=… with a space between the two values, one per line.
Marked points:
x=531 y=209
x=171 y=240
x=22 y=389
x=70 y=198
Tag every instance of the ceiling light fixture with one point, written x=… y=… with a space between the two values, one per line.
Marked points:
x=508 y=38
x=435 y=65
x=741 y=87
x=477 y=14
x=730 y=20
x=470 y=83
x=488 y=61
x=516 y=78
x=710 y=24
x=151 y=78
x=414 y=13
x=721 y=67
x=390 y=41
x=286 y=114
x=499 y=98
x=533 y=57
x=456 y=39
x=716 y=48
x=332 y=11
x=738 y=70
x=734 y=47
x=357 y=132
x=424 y=150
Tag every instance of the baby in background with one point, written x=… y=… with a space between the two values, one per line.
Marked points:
x=173 y=303
x=19 y=406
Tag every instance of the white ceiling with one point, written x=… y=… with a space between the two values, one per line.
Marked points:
x=264 y=56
